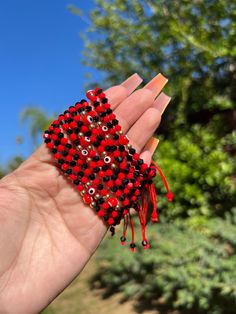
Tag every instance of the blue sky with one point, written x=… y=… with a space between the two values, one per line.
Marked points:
x=40 y=64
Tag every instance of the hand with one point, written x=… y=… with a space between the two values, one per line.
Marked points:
x=47 y=233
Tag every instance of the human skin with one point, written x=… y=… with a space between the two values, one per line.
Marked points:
x=47 y=233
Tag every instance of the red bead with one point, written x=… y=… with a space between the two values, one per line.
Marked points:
x=65 y=126
x=64 y=141
x=112 y=201
x=72 y=151
x=87 y=199
x=110 y=221
x=80 y=187
x=104 y=192
x=60 y=148
x=50 y=145
x=84 y=180
x=118 y=182
x=118 y=193
x=84 y=129
x=135 y=156
x=68 y=158
x=121 y=175
x=126 y=202
x=91 y=95
x=105 y=205
x=100 y=149
x=76 y=169
x=87 y=172
x=123 y=140
x=65 y=167
x=73 y=136
x=101 y=173
x=56 y=130
x=57 y=156
x=54 y=137
x=123 y=165
x=101 y=213
x=114 y=214
x=72 y=177
x=73 y=125
x=117 y=127
x=170 y=196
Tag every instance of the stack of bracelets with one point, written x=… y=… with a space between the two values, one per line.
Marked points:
x=91 y=150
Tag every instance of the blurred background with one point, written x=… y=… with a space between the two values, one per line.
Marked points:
x=52 y=51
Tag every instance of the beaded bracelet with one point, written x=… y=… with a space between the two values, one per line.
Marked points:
x=91 y=150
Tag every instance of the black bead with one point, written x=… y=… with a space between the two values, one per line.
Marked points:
x=132 y=151
x=114 y=176
x=106 y=217
x=144 y=243
x=97 y=208
x=54 y=150
x=95 y=119
x=69 y=120
x=68 y=145
x=76 y=130
x=121 y=148
x=114 y=188
x=109 y=111
x=76 y=182
x=96 y=158
x=61 y=161
x=99 y=91
x=107 y=148
x=105 y=167
x=125 y=181
x=64 y=154
x=116 y=136
x=122 y=197
x=116 y=170
x=99 y=186
x=81 y=173
x=103 y=114
x=99 y=137
x=57 y=142
x=84 y=166
x=73 y=113
x=80 y=110
x=76 y=142
x=91 y=176
x=96 y=144
x=47 y=140
x=132 y=245
x=60 y=135
x=69 y=131
x=113 y=148
x=96 y=169
x=109 y=125
x=106 y=178
x=69 y=171
x=80 y=123
x=83 y=100
x=129 y=158
x=66 y=111
x=140 y=161
x=104 y=100
x=101 y=200
x=96 y=103
x=76 y=157
x=122 y=239
x=88 y=108
x=88 y=133
x=115 y=121
x=119 y=159
x=72 y=163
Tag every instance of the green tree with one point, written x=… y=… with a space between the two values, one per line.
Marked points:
x=193 y=44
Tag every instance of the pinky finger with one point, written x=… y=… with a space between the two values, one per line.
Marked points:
x=149 y=150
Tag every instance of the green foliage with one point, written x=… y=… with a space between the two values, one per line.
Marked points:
x=12 y=165
x=198 y=170
x=190 y=267
x=39 y=121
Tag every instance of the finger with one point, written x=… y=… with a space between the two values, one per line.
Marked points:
x=129 y=111
x=144 y=128
x=161 y=102
x=149 y=150
x=146 y=125
x=118 y=93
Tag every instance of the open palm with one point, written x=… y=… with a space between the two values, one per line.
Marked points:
x=47 y=233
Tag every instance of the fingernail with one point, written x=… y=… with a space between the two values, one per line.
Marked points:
x=132 y=83
x=157 y=83
x=161 y=102
x=152 y=144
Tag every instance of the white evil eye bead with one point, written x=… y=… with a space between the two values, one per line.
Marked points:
x=87 y=139
x=105 y=128
x=91 y=191
x=90 y=119
x=84 y=152
x=107 y=159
